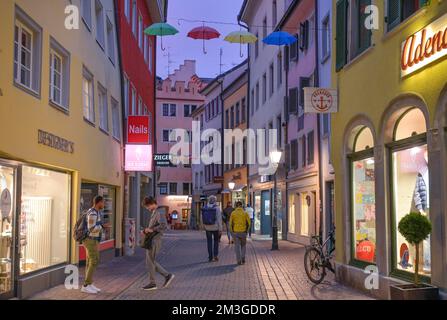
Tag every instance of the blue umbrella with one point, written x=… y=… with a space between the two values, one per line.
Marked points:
x=280 y=38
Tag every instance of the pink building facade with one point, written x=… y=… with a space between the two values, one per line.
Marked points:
x=177 y=98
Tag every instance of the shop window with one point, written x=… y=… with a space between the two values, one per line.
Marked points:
x=411 y=189
x=163 y=188
x=44 y=221
x=363 y=198
x=292 y=227
x=304 y=214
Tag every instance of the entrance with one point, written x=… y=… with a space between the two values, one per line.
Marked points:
x=266 y=215
x=7 y=230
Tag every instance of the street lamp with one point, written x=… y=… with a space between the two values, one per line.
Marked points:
x=275 y=158
x=231 y=185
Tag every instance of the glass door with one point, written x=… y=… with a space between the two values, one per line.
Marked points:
x=7 y=230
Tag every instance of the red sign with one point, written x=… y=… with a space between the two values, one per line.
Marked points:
x=138 y=158
x=138 y=129
x=366 y=251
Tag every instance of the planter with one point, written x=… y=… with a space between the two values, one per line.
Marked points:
x=413 y=292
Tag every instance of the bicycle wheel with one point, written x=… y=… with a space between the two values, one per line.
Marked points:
x=314 y=266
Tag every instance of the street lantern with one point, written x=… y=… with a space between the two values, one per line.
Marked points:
x=275 y=158
x=231 y=185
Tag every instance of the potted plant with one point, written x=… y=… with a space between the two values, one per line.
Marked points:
x=415 y=228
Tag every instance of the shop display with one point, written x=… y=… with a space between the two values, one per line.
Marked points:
x=257 y=213
x=7 y=176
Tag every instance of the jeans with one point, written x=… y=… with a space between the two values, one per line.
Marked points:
x=152 y=265
x=240 y=245
x=252 y=227
x=227 y=224
x=92 y=250
x=213 y=248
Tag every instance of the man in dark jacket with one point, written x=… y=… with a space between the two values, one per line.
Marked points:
x=226 y=219
x=157 y=224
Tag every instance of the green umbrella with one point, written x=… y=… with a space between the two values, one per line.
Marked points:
x=161 y=30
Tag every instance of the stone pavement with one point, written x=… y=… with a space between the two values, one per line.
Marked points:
x=266 y=275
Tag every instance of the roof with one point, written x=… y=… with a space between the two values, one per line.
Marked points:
x=219 y=77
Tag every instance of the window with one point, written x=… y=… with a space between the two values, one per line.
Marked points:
x=244 y=110
x=163 y=188
x=146 y=48
x=99 y=14
x=292 y=222
x=88 y=96
x=227 y=119
x=410 y=187
x=173 y=110
x=169 y=135
x=272 y=79
x=59 y=74
x=310 y=148
x=264 y=88
x=126 y=95
x=257 y=96
x=110 y=41
x=86 y=12
x=252 y=102
x=165 y=110
x=116 y=123
x=150 y=54
x=187 y=110
x=274 y=13
x=134 y=18
x=363 y=197
x=326 y=38
x=45 y=216
x=293 y=51
x=133 y=106
x=127 y=9
x=304 y=35
x=140 y=106
x=303 y=152
x=173 y=188
x=103 y=109
x=399 y=10
x=187 y=189
x=232 y=118
x=238 y=114
x=140 y=32
x=294 y=154
x=280 y=66
x=27 y=52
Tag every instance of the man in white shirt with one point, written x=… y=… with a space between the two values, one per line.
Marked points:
x=251 y=214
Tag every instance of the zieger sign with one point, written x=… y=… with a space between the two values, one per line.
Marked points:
x=424 y=47
x=163 y=160
x=138 y=129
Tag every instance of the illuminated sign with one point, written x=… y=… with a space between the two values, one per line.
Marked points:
x=138 y=158
x=424 y=47
x=138 y=129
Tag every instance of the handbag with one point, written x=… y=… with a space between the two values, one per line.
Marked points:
x=148 y=239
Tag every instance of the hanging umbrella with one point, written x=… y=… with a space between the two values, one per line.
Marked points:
x=204 y=33
x=161 y=30
x=242 y=37
x=280 y=38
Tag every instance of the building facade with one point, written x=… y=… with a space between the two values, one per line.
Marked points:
x=266 y=95
x=389 y=139
x=178 y=97
x=61 y=105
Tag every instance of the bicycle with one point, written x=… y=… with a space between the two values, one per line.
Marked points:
x=318 y=257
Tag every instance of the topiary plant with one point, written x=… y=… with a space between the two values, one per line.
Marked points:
x=415 y=228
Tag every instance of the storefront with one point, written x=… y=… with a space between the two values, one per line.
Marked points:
x=35 y=224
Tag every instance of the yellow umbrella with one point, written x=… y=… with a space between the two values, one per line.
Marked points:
x=242 y=37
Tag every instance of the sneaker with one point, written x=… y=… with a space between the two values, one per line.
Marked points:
x=168 y=280
x=216 y=259
x=88 y=289
x=96 y=288
x=150 y=287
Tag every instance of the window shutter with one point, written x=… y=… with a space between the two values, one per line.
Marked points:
x=304 y=35
x=293 y=52
x=310 y=147
x=300 y=122
x=293 y=100
x=287 y=57
x=287 y=155
x=286 y=108
x=341 y=38
x=294 y=155
x=394 y=13
x=304 y=83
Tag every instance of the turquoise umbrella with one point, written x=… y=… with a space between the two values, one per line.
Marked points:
x=161 y=30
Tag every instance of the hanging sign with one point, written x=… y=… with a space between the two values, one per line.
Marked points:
x=320 y=100
x=424 y=47
x=138 y=129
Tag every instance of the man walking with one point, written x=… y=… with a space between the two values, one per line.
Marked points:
x=91 y=244
x=212 y=222
x=251 y=214
x=226 y=219
x=239 y=225
x=156 y=226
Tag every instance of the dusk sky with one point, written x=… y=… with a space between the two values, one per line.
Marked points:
x=181 y=47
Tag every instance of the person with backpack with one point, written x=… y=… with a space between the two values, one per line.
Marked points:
x=239 y=225
x=89 y=232
x=212 y=222
x=153 y=234
x=226 y=219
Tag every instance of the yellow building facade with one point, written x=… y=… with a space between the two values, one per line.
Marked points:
x=60 y=138
x=389 y=140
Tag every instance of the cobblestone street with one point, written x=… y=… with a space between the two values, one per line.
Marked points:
x=266 y=275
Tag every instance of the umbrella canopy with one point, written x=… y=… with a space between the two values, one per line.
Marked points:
x=204 y=33
x=242 y=37
x=161 y=29
x=280 y=38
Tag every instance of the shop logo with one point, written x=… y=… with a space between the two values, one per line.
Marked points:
x=320 y=100
x=424 y=47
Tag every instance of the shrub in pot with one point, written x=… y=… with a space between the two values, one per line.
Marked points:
x=415 y=228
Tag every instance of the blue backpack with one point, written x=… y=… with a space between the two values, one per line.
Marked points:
x=209 y=216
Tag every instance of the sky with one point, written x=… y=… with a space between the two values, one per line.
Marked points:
x=181 y=48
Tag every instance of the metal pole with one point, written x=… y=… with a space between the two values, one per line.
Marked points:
x=275 y=215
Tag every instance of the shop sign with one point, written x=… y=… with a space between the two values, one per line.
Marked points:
x=138 y=158
x=320 y=100
x=55 y=142
x=138 y=129
x=424 y=47
x=163 y=160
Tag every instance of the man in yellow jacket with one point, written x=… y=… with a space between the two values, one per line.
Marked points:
x=239 y=226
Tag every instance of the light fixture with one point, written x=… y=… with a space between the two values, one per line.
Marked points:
x=275 y=157
x=231 y=185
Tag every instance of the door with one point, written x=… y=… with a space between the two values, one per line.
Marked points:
x=7 y=230
x=266 y=214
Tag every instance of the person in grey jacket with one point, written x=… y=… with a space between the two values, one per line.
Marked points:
x=213 y=232
x=157 y=224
